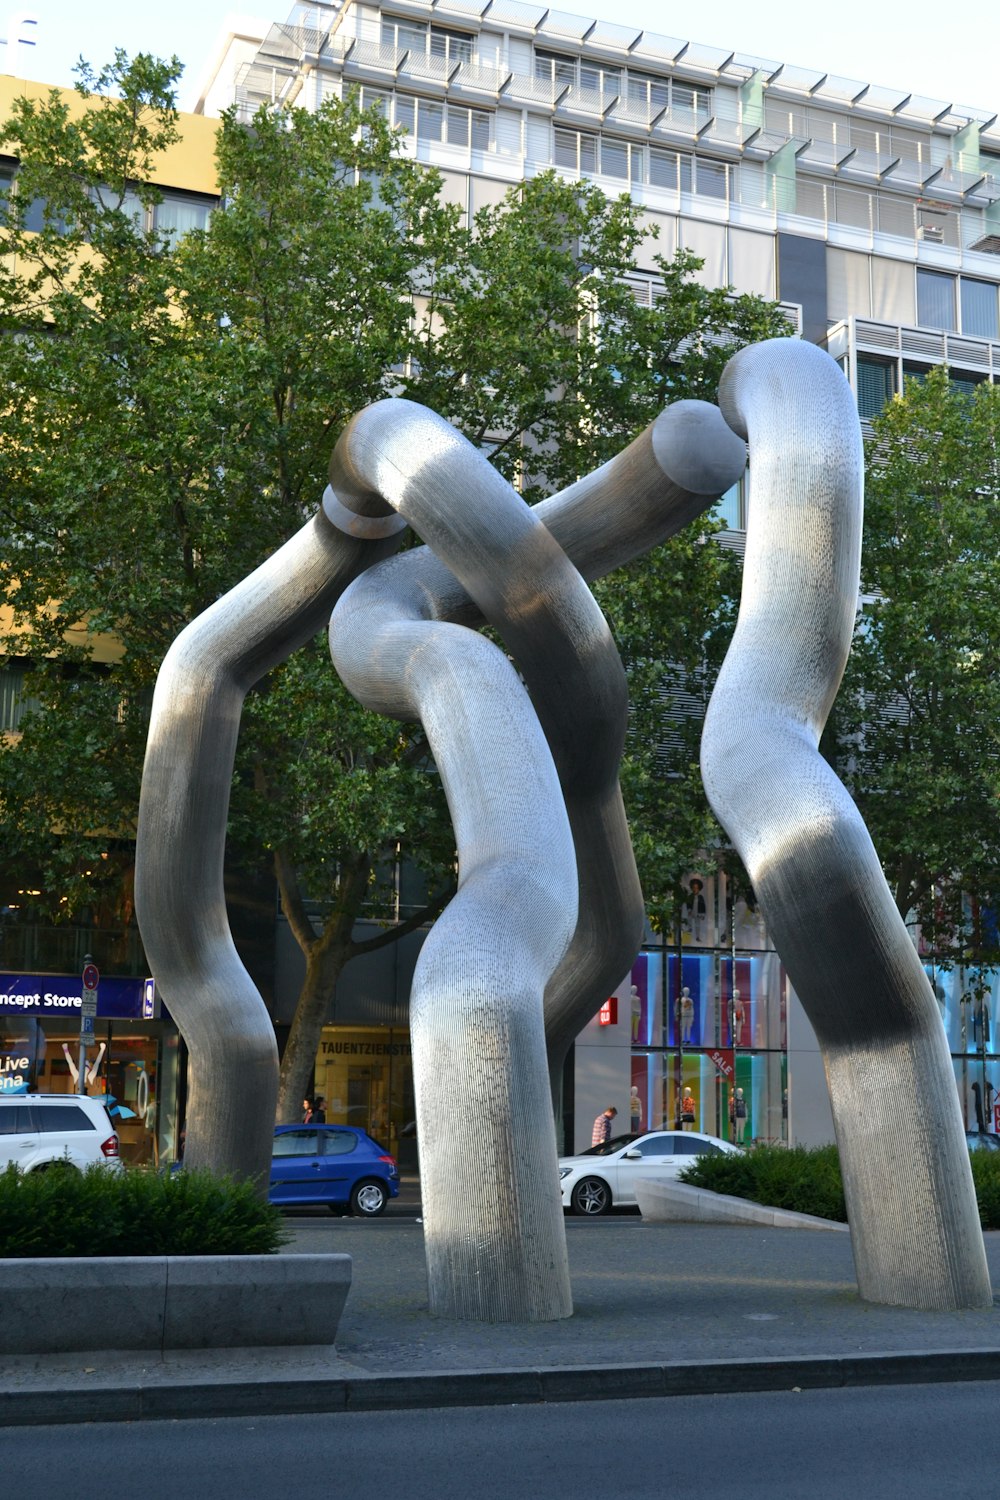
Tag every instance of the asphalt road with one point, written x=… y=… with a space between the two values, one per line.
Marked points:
x=890 y=1442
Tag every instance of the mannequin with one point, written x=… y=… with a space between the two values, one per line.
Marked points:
x=635 y=1000
x=738 y=1115
x=978 y=1098
x=981 y=1023
x=738 y=1017
x=635 y=1110
x=91 y=1070
x=696 y=910
x=689 y=1110
x=684 y=1010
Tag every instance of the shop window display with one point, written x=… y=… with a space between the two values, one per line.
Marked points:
x=646 y=1000
x=133 y=1067
x=710 y=1023
x=698 y=913
x=690 y=1001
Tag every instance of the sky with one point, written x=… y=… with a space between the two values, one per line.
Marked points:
x=899 y=43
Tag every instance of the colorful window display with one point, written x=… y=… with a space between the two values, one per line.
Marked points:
x=690 y=1001
x=709 y=1044
x=753 y=1002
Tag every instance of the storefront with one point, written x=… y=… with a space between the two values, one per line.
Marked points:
x=135 y=1065
x=365 y=1075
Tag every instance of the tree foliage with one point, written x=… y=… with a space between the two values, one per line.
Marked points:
x=170 y=407
x=917 y=723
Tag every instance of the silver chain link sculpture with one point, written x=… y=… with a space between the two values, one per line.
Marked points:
x=548 y=914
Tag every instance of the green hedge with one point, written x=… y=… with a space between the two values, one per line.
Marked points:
x=808 y=1181
x=133 y=1212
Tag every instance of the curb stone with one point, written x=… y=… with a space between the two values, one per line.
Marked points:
x=164 y=1401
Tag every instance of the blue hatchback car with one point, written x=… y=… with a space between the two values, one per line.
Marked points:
x=334 y=1164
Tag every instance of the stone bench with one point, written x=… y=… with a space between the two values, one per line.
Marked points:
x=161 y=1302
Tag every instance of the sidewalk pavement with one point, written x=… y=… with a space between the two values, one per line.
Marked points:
x=660 y=1309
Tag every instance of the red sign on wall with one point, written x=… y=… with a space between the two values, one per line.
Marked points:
x=608 y=1013
x=725 y=1061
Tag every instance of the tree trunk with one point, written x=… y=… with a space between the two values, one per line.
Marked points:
x=325 y=957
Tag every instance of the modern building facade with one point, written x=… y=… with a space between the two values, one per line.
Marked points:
x=872 y=215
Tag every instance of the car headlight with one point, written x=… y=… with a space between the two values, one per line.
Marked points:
x=564 y=1171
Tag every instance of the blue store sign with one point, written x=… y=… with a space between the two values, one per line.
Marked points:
x=60 y=996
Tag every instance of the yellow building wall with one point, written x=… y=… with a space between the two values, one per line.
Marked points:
x=188 y=166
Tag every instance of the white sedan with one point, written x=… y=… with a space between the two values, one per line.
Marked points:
x=607 y=1174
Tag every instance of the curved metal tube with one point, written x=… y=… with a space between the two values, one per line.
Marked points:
x=912 y=1209
x=181 y=836
x=476 y=1028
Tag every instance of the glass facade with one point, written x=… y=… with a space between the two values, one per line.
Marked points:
x=709 y=1018
x=968 y=999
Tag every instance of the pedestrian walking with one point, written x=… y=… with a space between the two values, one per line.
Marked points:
x=602 y=1126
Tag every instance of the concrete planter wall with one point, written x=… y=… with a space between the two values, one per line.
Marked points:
x=664 y=1200
x=163 y=1302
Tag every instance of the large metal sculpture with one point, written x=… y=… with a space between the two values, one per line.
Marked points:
x=548 y=914
x=493 y=1254
x=907 y=1178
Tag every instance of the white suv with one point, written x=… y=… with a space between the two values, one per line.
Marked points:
x=42 y=1130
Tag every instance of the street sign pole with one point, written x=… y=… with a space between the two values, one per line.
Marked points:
x=88 y=1011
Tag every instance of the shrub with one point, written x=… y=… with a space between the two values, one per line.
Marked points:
x=62 y=1212
x=809 y=1181
x=805 y=1180
x=986 y=1176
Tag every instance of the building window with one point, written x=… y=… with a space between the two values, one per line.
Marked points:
x=648 y=92
x=579 y=151
x=418 y=36
x=575 y=150
x=13 y=702
x=979 y=308
x=429 y=120
x=730 y=510
x=689 y=174
x=643 y=90
x=876 y=385
x=599 y=79
x=936 y=300
x=555 y=68
x=181 y=212
x=977 y=303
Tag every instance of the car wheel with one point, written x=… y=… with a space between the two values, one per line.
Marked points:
x=58 y=1165
x=368 y=1199
x=591 y=1196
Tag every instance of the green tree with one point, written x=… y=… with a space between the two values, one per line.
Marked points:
x=169 y=412
x=916 y=730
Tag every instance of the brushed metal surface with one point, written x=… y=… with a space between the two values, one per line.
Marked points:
x=180 y=844
x=911 y=1204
